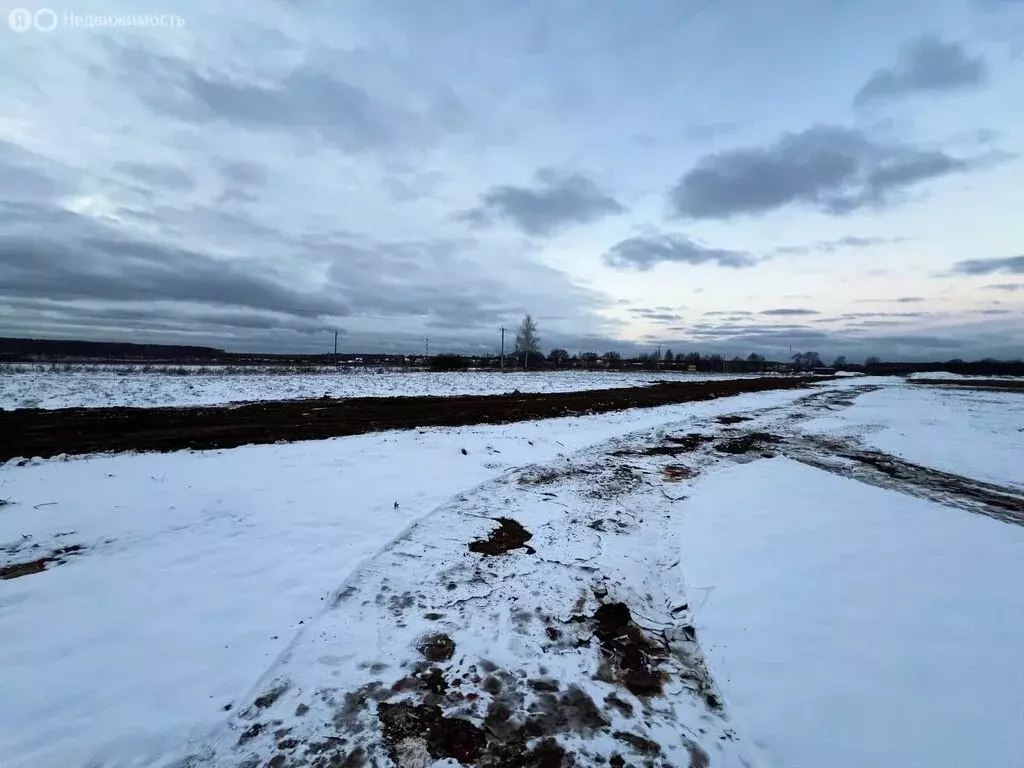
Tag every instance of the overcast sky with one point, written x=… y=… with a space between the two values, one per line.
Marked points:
x=720 y=175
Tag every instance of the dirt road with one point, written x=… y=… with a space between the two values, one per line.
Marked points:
x=29 y=433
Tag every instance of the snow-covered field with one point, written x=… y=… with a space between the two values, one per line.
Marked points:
x=802 y=610
x=971 y=432
x=853 y=626
x=111 y=386
x=945 y=375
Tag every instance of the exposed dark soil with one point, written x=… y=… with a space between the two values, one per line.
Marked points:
x=33 y=432
x=507 y=536
x=57 y=557
x=633 y=655
x=672 y=446
x=999 y=502
x=406 y=727
x=1004 y=503
x=753 y=441
x=639 y=743
x=444 y=737
x=732 y=419
x=1005 y=385
x=690 y=442
x=675 y=473
x=437 y=647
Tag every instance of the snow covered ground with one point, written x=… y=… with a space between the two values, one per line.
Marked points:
x=853 y=626
x=970 y=432
x=197 y=568
x=940 y=375
x=111 y=386
x=676 y=593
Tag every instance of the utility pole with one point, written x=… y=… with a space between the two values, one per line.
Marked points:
x=335 y=347
x=426 y=349
x=657 y=363
x=503 y=349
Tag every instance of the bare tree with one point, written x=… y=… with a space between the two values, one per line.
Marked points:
x=527 y=340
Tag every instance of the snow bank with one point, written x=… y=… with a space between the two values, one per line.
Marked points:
x=199 y=568
x=852 y=626
x=979 y=434
x=108 y=387
x=945 y=375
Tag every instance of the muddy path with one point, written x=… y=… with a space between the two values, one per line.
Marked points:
x=849 y=457
x=539 y=620
x=28 y=433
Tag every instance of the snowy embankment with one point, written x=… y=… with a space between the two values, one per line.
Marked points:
x=853 y=626
x=945 y=375
x=975 y=433
x=734 y=583
x=107 y=386
x=197 y=568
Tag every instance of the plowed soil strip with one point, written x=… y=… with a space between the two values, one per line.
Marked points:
x=35 y=432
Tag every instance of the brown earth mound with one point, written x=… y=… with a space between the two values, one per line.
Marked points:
x=32 y=432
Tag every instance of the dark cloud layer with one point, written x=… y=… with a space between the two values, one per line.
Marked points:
x=926 y=65
x=1013 y=265
x=644 y=253
x=80 y=259
x=833 y=169
x=553 y=203
x=788 y=312
x=309 y=99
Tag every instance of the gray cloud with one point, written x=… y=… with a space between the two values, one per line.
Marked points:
x=26 y=176
x=1013 y=265
x=787 y=312
x=243 y=172
x=909 y=300
x=833 y=169
x=925 y=65
x=643 y=253
x=831 y=246
x=700 y=132
x=661 y=316
x=850 y=315
x=1010 y=287
x=156 y=175
x=236 y=195
x=310 y=99
x=554 y=202
x=80 y=259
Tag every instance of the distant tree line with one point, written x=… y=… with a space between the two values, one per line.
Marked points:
x=525 y=354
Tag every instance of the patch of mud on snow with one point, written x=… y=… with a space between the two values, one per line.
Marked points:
x=199 y=568
x=460 y=643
